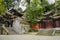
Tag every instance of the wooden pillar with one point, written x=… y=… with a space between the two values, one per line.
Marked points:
x=54 y=24
x=59 y=22
x=39 y=22
x=44 y=24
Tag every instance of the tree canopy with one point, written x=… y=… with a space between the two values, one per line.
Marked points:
x=2 y=6
x=36 y=8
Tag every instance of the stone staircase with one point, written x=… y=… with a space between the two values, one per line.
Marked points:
x=47 y=32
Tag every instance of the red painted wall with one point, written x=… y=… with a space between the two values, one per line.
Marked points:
x=57 y=23
x=48 y=25
x=35 y=26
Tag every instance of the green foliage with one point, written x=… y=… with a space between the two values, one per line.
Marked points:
x=44 y=2
x=8 y=3
x=34 y=11
x=36 y=8
x=58 y=3
x=28 y=1
x=1 y=1
x=2 y=7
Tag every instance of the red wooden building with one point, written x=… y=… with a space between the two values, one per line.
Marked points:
x=50 y=20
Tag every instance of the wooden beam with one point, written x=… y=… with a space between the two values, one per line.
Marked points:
x=49 y=12
x=4 y=28
x=8 y=13
x=55 y=14
x=56 y=17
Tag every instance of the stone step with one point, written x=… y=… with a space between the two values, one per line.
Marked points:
x=45 y=31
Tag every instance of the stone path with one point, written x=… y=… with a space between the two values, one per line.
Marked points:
x=28 y=37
